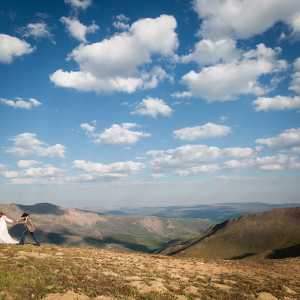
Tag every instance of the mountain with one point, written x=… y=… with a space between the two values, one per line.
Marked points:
x=217 y=212
x=74 y=227
x=271 y=234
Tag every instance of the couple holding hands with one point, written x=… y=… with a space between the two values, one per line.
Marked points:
x=5 y=238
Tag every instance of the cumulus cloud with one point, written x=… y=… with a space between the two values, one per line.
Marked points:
x=267 y=163
x=189 y=156
x=120 y=62
x=276 y=103
x=295 y=25
x=209 y=52
x=98 y=171
x=37 y=31
x=26 y=144
x=46 y=175
x=79 y=4
x=226 y=81
x=120 y=135
x=182 y=95
x=20 y=103
x=11 y=47
x=24 y=164
x=78 y=30
x=195 y=171
x=152 y=107
x=206 y=131
x=121 y=23
x=157 y=176
x=89 y=172
x=234 y=18
x=286 y=140
x=295 y=84
x=88 y=128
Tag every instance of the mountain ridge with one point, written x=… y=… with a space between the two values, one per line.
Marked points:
x=273 y=234
x=76 y=227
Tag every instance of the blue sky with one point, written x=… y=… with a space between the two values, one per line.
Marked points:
x=149 y=102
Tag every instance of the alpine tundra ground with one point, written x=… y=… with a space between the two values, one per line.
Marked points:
x=68 y=273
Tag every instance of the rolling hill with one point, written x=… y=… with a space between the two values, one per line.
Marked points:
x=73 y=227
x=271 y=234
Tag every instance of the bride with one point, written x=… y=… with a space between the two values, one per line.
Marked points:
x=5 y=238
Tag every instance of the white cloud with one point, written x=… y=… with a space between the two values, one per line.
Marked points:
x=27 y=163
x=157 y=176
x=267 y=163
x=295 y=84
x=98 y=171
x=78 y=30
x=295 y=150
x=288 y=139
x=211 y=52
x=237 y=152
x=26 y=144
x=188 y=156
x=20 y=103
x=271 y=167
x=206 y=131
x=2 y=167
x=82 y=4
x=87 y=127
x=11 y=47
x=120 y=62
x=121 y=23
x=120 y=135
x=182 y=95
x=194 y=171
x=295 y=24
x=37 y=30
x=152 y=107
x=46 y=175
x=276 y=103
x=294 y=166
x=235 y=18
x=226 y=81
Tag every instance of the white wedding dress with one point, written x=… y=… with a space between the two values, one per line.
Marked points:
x=5 y=238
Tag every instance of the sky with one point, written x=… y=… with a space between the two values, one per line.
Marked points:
x=149 y=103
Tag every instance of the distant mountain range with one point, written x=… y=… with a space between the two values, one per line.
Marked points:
x=271 y=234
x=74 y=227
x=218 y=212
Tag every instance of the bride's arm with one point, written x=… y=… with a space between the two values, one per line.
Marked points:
x=7 y=219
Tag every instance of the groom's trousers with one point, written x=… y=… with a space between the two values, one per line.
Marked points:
x=33 y=234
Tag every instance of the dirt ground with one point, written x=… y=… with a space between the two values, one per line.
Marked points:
x=89 y=273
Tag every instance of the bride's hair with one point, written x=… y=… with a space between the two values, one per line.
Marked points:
x=1 y=213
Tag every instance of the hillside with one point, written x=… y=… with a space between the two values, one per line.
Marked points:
x=272 y=234
x=67 y=273
x=73 y=227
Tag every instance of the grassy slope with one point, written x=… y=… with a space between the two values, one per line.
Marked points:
x=273 y=233
x=31 y=272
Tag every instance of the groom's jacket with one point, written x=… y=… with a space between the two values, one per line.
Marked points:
x=29 y=224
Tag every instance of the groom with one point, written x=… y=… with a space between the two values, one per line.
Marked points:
x=30 y=227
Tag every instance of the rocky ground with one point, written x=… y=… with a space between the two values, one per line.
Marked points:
x=66 y=273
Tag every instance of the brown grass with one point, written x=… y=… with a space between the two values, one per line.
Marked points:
x=30 y=272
